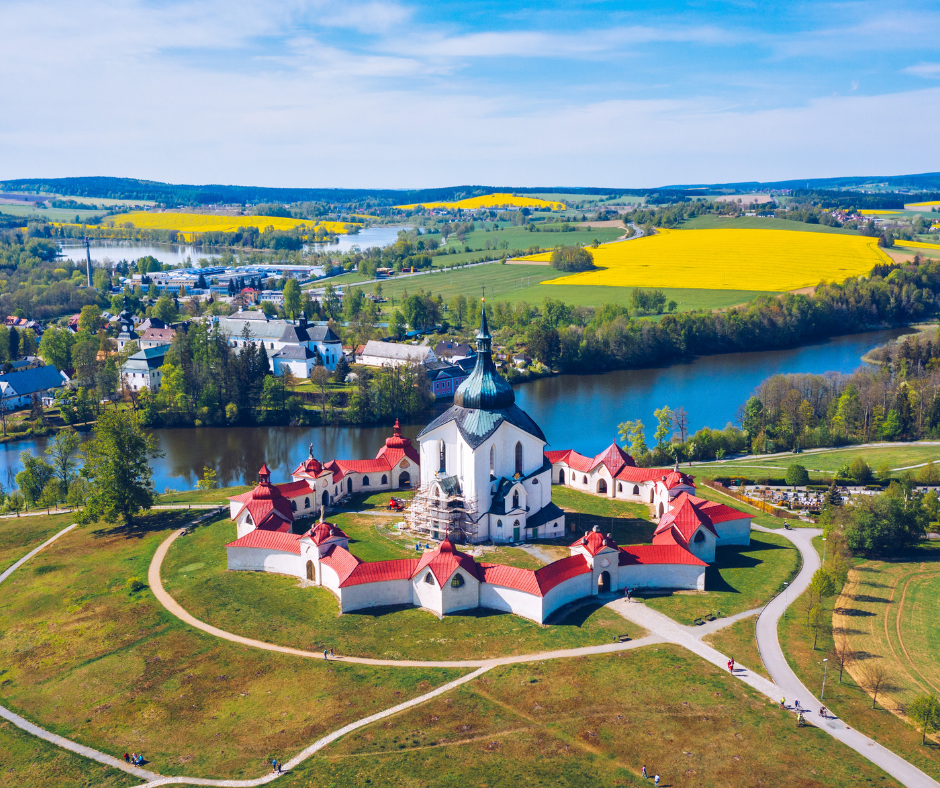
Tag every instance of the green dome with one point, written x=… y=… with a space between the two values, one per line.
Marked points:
x=485 y=389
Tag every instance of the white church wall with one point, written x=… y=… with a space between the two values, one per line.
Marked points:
x=388 y=592
x=329 y=579
x=426 y=594
x=679 y=576
x=465 y=597
x=734 y=532
x=705 y=549
x=264 y=560
x=511 y=600
x=572 y=589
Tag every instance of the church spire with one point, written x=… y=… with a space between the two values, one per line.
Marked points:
x=485 y=389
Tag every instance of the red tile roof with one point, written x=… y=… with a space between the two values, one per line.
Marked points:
x=558 y=456
x=444 y=560
x=381 y=571
x=322 y=532
x=398 y=446
x=685 y=517
x=657 y=554
x=630 y=474
x=294 y=489
x=340 y=561
x=269 y=509
x=363 y=466
x=510 y=577
x=613 y=458
x=559 y=571
x=595 y=541
x=269 y=540
x=717 y=512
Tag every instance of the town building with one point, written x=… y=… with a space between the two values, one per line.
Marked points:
x=253 y=327
x=143 y=368
x=394 y=354
x=445 y=376
x=484 y=476
x=18 y=388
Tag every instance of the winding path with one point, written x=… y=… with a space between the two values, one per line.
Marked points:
x=662 y=629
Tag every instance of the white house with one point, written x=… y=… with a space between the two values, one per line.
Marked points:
x=254 y=328
x=17 y=388
x=394 y=354
x=143 y=368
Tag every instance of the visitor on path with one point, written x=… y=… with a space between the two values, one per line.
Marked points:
x=822 y=711
x=326 y=654
x=783 y=703
x=644 y=772
x=732 y=664
x=626 y=593
x=656 y=780
x=332 y=653
x=796 y=704
x=799 y=720
x=127 y=758
x=274 y=765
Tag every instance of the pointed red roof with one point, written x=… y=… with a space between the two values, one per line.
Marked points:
x=397 y=447
x=323 y=531
x=614 y=458
x=594 y=541
x=269 y=509
x=341 y=561
x=444 y=560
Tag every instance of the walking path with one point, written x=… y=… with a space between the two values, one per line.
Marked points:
x=662 y=628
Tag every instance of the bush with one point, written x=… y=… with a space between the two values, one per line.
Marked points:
x=797 y=475
x=134 y=584
x=859 y=471
x=572 y=258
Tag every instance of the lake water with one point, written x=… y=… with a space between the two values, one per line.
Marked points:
x=187 y=255
x=574 y=411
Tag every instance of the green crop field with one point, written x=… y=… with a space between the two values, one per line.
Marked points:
x=712 y=221
x=593 y=721
x=50 y=214
x=514 y=283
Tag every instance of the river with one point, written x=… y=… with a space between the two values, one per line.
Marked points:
x=187 y=255
x=574 y=411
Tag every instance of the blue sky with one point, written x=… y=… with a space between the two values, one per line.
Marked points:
x=409 y=94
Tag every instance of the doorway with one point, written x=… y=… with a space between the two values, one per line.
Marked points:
x=603 y=583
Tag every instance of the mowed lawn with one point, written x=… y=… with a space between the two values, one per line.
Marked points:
x=594 y=721
x=846 y=698
x=519 y=282
x=277 y=609
x=19 y=535
x=84 y=656
x=738 y=641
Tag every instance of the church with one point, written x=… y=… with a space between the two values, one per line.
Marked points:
x=483 y=475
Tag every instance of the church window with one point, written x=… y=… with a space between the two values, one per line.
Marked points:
x=443 y=459
x=515 y=500
x=365 y=481
x=248 y=520
x=493 y=461
x=699 y=537
x=384 y=479
x=518 y=458
x=458 y=581
x=306 y=503
x=619 y=487
x=429 y=579
x=293 y=506
x=499 y=523
x=535 y=481
x=584 y=480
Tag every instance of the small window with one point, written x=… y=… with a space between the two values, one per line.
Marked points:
x=384 y=479
x=699 y=537
x=457 y=581
x=293 y=506
x=429 y=579
x=306 y=503
x=519 y=458
x=584 y=480
x=535 y=481
x=499 y=523
x=365 y=481
x=442 y=464
x=515 y=500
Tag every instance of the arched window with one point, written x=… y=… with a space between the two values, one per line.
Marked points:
x=365 y=481
x=561 y=476
x=293 y=506
x=699 y=537
x=519 y=458
x=515 y=499
x=306 y=503
x=619 y=487
x=443 y=461
x=429 y=579
x=493 y=461
x=457 y=581
x=636 y=489
x=584 y=480
x=384 y=479
x=499 y=523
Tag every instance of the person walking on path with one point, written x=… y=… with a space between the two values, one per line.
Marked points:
x=274 y=766
x=644 y=772
x=332 y=653
x=326 y=654
x=783 y=703
x=732 y=664
x=127 y=758
x=656 y=780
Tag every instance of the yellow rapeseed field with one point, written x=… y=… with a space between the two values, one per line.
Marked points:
x=916 y=244
x=207 y=223
x=873 y=212
x=729 y=259
x=916 y=205
x=498 y=200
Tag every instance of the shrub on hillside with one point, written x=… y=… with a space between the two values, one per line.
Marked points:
x=572 y=258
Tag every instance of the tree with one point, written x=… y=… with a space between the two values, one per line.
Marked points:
x=924 y=710
x=396 y=326
x=342 y=370
x=875 y=678
x=51 y=494
x=753 y=420
x=34 y=477
x=84 y=405
x=632 y=435
x=292 y=303
x=571 y=258
x=664 y=424
x=832 y=497
x=120 y=477
x=842 y=653
x=78 y=492
x=90 y=319
x=164 y=309
x=929 y=474
x=208 y=480
x=56 y=347
x=61 y=451
x=320 y=377
x=818 y=621
x=859 y=471
x=680 y=422
x=882 y=525
x=797 y=475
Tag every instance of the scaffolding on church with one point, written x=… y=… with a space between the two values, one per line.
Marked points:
x=449 y=515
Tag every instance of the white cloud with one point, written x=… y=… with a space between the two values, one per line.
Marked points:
x=928 y=70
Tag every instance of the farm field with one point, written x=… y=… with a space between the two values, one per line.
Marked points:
x=277 y=609
x=207 y=223
x=916 y=244
x=531 y=283
x=51 y=214
x=86 y=657
x=772 y=260
x=846 y=698
x=519 y=238
x=829 y=460
x=498 y=200
x=592 y=721
x=888 y=611
x=713 y=222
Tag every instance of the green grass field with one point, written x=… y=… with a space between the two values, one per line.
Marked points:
x=738 y=641
x=85 y=657
x=825 y=462
x=19 y=535
x=593 y=721
x=277 y=609
x=742 y=578
x=220 y=495
x=846 y=698
x=514 y=283
x=520 y=238
x=711 y=221
x=50 y=214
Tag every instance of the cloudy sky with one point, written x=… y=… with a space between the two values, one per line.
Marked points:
x=420 y=94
